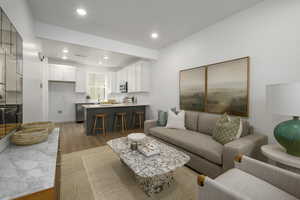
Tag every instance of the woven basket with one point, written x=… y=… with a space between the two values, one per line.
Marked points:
x=45 y=125
x=29 y=136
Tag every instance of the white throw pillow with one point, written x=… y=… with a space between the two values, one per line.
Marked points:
x=176 y=121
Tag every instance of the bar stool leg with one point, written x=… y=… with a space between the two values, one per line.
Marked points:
x=103 y=126
x=116 y=123
x=140 y=119
x=122 y=118
x=125 y=123
x=95 y=122
x=133 y=120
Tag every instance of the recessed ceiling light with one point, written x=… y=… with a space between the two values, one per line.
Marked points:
x=64 y=57
x=105 y=57
x=100 y=62
x=81 y=11
x=154 y=35
x=65 y=50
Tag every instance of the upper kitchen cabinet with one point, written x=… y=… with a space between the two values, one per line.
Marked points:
x=139 y=77
x=62 y=73
x=112 y=84
x=80 y=81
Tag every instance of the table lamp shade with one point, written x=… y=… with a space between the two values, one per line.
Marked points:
x=284 y=99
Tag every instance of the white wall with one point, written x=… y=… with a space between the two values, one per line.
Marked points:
x=268 y=33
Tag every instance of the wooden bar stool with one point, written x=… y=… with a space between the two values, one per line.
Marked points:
x=100 y=117
x=138 y=119
x=121 y=121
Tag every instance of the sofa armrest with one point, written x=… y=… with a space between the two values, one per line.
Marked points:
x=149 y=124
x=280 y=178
x=209 y=189
x=248 y=145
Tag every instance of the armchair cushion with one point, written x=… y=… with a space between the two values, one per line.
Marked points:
x=194 y=142
x=251 y=186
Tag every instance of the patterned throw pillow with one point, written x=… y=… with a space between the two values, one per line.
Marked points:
x=227 y=130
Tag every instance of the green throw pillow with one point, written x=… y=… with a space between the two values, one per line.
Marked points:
x=162 y=118
x=226 y=129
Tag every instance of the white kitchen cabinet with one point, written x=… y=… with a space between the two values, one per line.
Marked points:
x=112 y=83
x=131 y=78
x=139 y=74
x=80 y=81
x=62 y=73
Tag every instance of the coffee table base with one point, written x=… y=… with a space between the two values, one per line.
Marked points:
x=155 y=184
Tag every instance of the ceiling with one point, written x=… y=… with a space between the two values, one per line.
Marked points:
x=84 y=55
x=132 y=21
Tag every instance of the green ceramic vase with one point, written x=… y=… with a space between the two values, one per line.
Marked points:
x=287 y=134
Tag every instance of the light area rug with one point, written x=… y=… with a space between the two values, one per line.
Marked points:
x=98 y=174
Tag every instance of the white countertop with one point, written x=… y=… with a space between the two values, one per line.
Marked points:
x=28 y=169
x=114 y=105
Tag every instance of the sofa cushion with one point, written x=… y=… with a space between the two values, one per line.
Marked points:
x=251 y=186
x=194 y=142
x=191 y=120
x=207 y=122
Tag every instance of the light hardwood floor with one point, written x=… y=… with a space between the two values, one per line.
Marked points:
x=73 y=137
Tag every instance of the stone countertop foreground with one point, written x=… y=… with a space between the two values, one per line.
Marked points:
x=28 y=169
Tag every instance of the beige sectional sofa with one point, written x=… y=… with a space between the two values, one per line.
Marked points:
x=207 y=155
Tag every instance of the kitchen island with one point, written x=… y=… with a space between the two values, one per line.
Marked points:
x=110 y=110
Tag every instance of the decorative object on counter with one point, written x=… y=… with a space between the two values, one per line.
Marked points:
x=88 y=97
x=111 y=101
x=283 y=99
x=227 y=130
x=176 y=121
x=29 y=136
x=38 y=125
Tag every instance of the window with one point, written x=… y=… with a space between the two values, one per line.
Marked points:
x=96 y=86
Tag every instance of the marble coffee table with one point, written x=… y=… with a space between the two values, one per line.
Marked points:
x=153 y=173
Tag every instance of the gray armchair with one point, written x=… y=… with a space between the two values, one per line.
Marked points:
x=251 y=180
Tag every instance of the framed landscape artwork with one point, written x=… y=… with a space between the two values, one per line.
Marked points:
x=192 y=89
x=227 y=87
x=216 y=88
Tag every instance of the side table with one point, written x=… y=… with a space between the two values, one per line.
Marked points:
x=277 y=155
